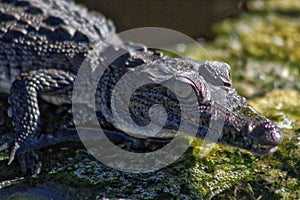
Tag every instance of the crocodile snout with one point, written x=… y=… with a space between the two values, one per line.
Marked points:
x=266 y=133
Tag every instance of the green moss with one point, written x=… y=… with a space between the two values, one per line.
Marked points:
x=270 y=36
x=289 y=6
x=281 y=106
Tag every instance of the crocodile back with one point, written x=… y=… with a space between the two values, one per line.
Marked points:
x=54 y=34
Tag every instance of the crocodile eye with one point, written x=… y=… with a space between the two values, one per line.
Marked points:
x=183 y=90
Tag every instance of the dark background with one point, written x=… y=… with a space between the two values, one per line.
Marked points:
x=192 y=18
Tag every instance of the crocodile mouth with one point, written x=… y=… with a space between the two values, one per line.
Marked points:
x=248 y=144
x=260 y=140
x=262 y=149
x=265 y=138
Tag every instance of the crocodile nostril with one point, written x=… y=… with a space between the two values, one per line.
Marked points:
x=269 y=125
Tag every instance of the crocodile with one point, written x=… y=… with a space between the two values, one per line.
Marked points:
x=42 y=47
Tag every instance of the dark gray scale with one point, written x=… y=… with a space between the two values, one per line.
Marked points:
x=53 y=21
x=22 y=4
x=64 y=33
x=34 y=10
x=47 y=31
x=79 y=36
x=11 y=34
x=6 y=17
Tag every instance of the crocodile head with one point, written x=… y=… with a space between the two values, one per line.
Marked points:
x=204 y=91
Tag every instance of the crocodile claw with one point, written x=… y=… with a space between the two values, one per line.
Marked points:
x=8 y=145
x=13 y=152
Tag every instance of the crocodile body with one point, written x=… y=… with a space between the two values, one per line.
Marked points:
x=42 y=46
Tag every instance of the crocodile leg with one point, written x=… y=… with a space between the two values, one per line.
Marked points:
x=24 y=107
x=116 y=136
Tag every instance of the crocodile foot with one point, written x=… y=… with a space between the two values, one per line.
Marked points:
x=29 y=160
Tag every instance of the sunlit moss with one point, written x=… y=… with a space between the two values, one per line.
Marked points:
x=288 y=6
x=281 y=106
x=261 y=46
